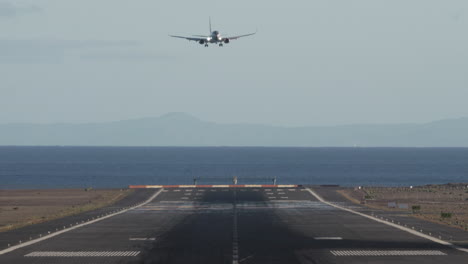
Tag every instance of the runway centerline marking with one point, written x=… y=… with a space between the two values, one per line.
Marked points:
x=235 y=242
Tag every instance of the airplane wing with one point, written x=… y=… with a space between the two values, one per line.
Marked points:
x=189 y=38
x=240 y=36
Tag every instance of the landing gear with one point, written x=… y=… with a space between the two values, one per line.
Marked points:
x=220 y=44
x=206 y=45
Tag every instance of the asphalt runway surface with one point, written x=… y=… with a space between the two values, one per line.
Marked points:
x=235 y=225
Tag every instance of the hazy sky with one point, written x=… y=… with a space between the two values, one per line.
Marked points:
x=311 y=63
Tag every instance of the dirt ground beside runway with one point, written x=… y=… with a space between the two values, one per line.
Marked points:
x=445 y=204
x=20 y=208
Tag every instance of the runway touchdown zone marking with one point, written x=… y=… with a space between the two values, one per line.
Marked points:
x=142 y=239
x=83 y=254
x=328 y=238
x=382 y=253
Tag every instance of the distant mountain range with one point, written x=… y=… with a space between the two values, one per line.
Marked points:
x=180 y=129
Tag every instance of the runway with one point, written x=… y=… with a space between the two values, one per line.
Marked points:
x=236 y=225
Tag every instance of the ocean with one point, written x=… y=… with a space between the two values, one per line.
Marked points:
x=118 y=167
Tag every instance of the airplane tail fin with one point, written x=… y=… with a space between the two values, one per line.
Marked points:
x=210 y=25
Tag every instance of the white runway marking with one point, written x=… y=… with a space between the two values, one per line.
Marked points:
x=142 y=239
x=414 y=232
x=177 y=190
x=10 y=249
x=379 y=253
x=83 y=254
x=328 y=238
x=273 y=203
x=284 y=197
x=235 y=241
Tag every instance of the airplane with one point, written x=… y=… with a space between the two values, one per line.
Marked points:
x=214 y=38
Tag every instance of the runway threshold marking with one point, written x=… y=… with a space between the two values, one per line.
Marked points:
x=34 y=241
x=382 y=253
x=83 y=254
x=411 y=231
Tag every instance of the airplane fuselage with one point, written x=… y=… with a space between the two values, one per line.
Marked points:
x=215 y=37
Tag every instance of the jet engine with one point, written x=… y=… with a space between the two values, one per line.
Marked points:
x=226 y=41
x=201 y=41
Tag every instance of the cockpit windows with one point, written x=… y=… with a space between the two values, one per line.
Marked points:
x=216 y=33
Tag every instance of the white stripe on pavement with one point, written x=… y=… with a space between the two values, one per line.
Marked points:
x=34 y=241
x=379 y=253
x=411 y=231
x=83 y=254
